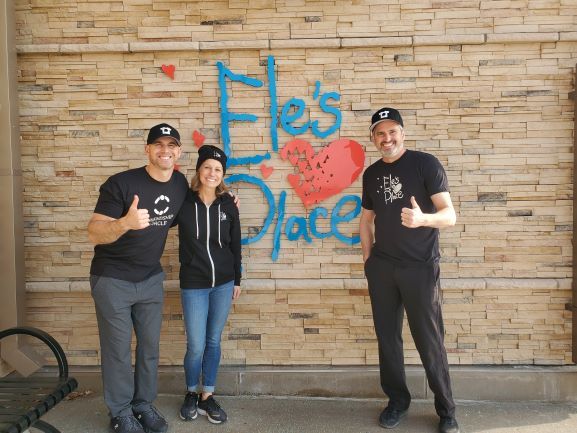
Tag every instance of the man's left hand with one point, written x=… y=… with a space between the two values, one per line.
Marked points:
x=412 y=218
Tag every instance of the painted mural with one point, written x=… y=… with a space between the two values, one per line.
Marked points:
x=317 y=175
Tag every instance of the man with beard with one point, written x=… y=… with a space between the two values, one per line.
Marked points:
x=405 y=202
x=129 y=227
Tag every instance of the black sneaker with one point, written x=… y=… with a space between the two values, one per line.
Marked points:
x=212 y=410
x=125 y=424
x=391 y=417
x=152 y=421
x=188 y=410
x=448 y=425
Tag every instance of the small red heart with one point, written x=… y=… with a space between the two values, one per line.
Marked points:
x=198 y=138
x=266 y=171
x=169 y=70
x=326 y=173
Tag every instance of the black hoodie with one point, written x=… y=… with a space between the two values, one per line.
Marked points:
x=209 y=242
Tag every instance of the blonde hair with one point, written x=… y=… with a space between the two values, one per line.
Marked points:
x=195 y=185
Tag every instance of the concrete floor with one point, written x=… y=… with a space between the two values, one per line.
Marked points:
x=88 y=414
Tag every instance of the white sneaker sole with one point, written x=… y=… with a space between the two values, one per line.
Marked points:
x=187 y=419
x=212 y=420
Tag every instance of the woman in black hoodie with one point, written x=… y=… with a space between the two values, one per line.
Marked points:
x=210 y=267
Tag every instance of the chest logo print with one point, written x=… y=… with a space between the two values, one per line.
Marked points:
x=160 y=199
x=223 y=216
x=392 y=188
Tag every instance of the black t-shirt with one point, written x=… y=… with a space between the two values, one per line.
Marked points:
x=135 y=256
x=387 y=189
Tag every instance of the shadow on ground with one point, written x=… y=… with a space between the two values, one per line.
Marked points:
x=88 y=414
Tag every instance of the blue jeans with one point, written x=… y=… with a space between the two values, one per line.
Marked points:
x=205 y=313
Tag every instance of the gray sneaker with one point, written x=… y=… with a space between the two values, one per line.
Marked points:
x=152 y=420
x=125 y=424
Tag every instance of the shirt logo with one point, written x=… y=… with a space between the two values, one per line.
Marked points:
x=392 y=188
x=159 y=199
x=165 y=130
x=223 y=216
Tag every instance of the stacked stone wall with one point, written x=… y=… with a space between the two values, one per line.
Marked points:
x=484 y=86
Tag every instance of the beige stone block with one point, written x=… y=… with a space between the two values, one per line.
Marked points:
x=45 y=48
x=289 y=273
x=143 y=47
x=304 y=298
x=93 y=48
x=234 y=45
x=449 y=40
x=305 y=43
x=309 y=284
x=568 y=36
x=251 y=298
x=504 y=38
x=306 y=354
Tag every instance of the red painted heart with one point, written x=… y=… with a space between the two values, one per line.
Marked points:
x=266 y=171
x=169 y=70
x=326 y=173
x=198 y=138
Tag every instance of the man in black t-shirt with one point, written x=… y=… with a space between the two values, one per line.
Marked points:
x=129 y=227
x=405 y=201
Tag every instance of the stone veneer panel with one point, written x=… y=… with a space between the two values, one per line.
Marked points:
x=484 y=89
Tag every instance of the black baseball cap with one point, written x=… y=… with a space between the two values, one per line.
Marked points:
x=383 y=114
x=162 y=130
x=211 y=152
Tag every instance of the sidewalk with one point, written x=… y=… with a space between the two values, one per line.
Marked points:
x=319 y=415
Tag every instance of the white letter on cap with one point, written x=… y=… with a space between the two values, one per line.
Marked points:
x=384 y=114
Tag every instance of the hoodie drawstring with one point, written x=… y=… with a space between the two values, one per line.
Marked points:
x=219 y=226
x=196 y=211
x=208 y=244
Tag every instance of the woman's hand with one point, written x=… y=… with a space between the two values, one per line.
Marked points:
x=236 y=292
x=235 y=198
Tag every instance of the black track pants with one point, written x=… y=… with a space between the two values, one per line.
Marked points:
x=417 y=289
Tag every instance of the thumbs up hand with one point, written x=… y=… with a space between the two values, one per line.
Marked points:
x=136 y=219
x=414 y=217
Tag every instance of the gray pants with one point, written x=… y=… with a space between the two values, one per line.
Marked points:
x=120 y=307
